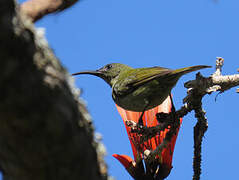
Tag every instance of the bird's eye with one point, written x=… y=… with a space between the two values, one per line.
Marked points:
x=107 y=67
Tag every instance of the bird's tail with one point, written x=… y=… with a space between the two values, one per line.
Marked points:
x=186 y=70
x=138 y=148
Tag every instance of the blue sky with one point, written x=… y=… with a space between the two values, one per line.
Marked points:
x=173 y=34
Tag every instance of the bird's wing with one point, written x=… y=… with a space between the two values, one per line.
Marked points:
x=137 y=77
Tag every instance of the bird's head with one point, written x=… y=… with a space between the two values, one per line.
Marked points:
x=109 y=72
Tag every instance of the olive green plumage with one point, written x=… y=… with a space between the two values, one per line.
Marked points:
x=141 y=88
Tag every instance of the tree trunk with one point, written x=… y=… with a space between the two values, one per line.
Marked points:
x=45 y=132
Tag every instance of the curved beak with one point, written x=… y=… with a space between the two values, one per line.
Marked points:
x=95 y=73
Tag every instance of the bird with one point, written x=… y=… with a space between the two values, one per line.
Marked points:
x=139 y=94
x=140 y=89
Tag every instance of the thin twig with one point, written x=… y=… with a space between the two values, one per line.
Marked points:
x=199 y=131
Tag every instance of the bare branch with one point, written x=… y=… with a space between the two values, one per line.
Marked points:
x=216 y=82
x=199 y=131
x=36 y=9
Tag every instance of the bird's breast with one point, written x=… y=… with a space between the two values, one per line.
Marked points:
x=142 y=98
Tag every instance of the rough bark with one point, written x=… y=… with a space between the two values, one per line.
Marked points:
x=44 y=133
